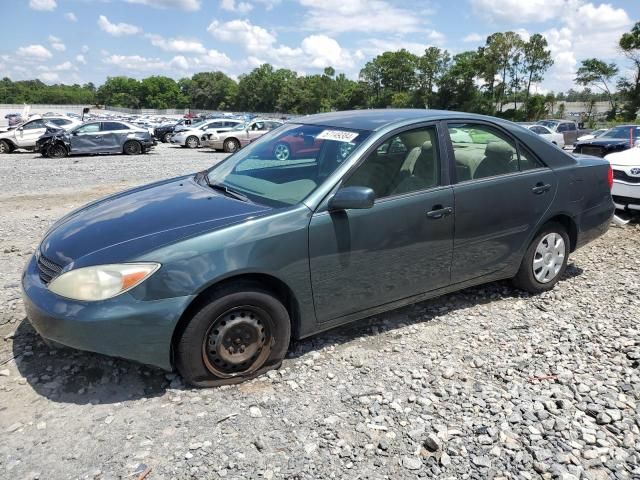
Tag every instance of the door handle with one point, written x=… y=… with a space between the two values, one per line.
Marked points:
x=541 y=188
x=438 y=211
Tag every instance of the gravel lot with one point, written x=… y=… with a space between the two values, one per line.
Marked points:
x=485 y=383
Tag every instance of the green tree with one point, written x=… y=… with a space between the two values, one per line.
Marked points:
x=630 y=87
x=389 y=73
x=160 y=92
x=598 y=74
x=120 y=92
x=536 y=60
x=430 y=68
x=211 y=91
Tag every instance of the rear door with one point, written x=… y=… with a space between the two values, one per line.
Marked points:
x=501 y=192
x=402 y=246
x=113 y=134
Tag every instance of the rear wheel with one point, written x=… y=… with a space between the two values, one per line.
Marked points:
x=231 y=145
x=545 y=260
x=192 y=142
x=132 y=148
x=166 y=137
x=238 y=333
x=5 y=147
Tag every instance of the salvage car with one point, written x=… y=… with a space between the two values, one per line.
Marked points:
x=96 y=138
x=544 y=132
x=214 y=273
x=192 y=137
x=25 y=135
x=615 y=139
x=626 y=180
x=567 y=128
x=241 y=135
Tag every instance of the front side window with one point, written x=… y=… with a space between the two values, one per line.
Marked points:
x=482 y=151
x=285 y=166
x=622 y=132
x=89 y=128
x=34 y=124
x=404 y=163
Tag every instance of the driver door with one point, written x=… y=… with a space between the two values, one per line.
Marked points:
x=30 y=132
x=87 y=139
x=399 y=248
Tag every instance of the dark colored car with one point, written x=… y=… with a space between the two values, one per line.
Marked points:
x=164 y=131
x=214 y=273
x=613 y=140
x=96 y=138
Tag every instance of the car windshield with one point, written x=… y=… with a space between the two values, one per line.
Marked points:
x=286 y=165
x=621 y=132
x=548 y=124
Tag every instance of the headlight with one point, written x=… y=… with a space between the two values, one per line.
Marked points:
x=101 y=282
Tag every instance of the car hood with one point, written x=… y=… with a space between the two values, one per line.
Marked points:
x=605 y=142
x=129 y=224
x=626 y=158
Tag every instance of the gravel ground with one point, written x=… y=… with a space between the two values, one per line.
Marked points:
x=485 y=383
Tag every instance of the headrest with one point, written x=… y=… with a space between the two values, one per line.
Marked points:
x=426 y=146
x=502 y=149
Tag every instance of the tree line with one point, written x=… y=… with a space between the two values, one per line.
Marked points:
x=496 y=79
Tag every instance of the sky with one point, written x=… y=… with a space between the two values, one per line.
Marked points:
x=79 y=41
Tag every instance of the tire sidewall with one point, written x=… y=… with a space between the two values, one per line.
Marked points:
x=189 y=360
x=525 y=277
x=138 y=150
x=6 y=148
x=189 y=139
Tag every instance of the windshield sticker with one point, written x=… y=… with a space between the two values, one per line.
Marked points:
x=337 y=135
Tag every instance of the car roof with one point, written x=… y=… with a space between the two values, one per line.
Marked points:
x=377 y=119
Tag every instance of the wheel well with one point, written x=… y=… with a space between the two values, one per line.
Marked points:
x=231 y=138
x=275 y=286
x=570 y=225
x=12 y=145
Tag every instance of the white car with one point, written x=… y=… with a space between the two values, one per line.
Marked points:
x=544 y=132
x=592 y=135
x=626 y=179
x=193 y=137
x=26 y=134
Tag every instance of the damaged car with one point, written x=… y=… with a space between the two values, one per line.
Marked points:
x=96 y=138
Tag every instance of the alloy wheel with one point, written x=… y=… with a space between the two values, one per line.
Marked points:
x=281 y=152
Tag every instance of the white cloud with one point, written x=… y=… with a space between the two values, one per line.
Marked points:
x=63 y=67
x=375 y=46
x=474 y=38
x=49 y=77
x=71 y=16
x=436 y=37
x=117 y=29
x=337 y=16
x=176 y=44
x=84 y=49
x=80 y=59
x=232 y=6
x=136 y=62
x=179 y=62
x=214 y=58
x=56 y=44
x=34 y=52
x=519 y=11
x=43 y=5
x=268 y=4
x=188 y=5
x=323 y=51
x=251 y=37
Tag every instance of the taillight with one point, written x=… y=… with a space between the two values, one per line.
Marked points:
x=610 y=177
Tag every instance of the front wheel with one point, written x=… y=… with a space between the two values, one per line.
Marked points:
x=5 y=147
x=166 y=138
x=57 y=151
x=545 y=260
x=281 y=151
x=237 y=333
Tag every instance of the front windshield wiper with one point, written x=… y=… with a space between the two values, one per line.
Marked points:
x=221 y=187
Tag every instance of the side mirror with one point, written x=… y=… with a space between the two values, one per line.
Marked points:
x=352 y=197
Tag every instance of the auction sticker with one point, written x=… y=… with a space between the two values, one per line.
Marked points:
x=337 y=135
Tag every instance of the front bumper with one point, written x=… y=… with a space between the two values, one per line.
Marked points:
x=121 y=327
x=626 y=196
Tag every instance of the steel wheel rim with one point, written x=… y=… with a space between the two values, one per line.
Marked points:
x=192 y=142
x=281 y=152
x=548 y=257
x=237 y=342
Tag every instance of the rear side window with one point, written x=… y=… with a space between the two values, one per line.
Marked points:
x=482 y=151
x=34 y=124
x=110 y=126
